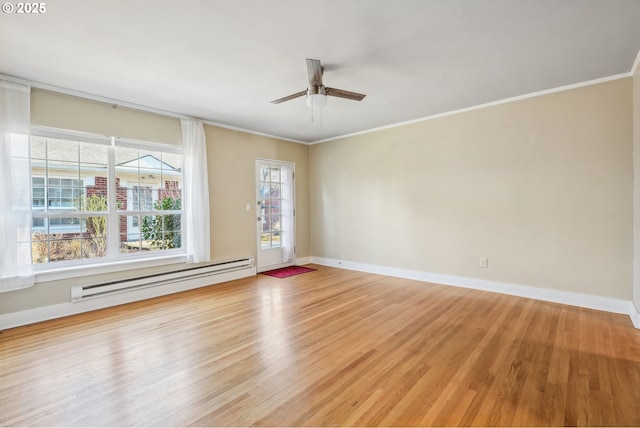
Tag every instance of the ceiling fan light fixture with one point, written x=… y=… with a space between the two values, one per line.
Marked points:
x=316 y=97
x=316 y=101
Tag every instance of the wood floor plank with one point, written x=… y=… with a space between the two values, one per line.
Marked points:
x=330 y=347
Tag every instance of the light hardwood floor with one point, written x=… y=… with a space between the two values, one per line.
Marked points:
x=330 y=347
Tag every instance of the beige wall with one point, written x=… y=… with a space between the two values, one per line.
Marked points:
x=79 y=114
x=232 y=186
x=541 y=186
x=231 y=157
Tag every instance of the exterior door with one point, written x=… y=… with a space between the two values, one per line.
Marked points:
x=275 y=214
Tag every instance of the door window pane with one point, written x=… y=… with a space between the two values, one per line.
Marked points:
x=270 y=188
x=265 y=240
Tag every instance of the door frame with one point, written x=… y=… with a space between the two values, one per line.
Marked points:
x=258 y=231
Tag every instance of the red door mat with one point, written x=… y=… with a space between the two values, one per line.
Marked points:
x=288 y=271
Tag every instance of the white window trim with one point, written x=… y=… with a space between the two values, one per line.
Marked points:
x=94 y=266
x=45 y=273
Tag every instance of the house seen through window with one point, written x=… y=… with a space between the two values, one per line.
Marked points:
x=101 y=198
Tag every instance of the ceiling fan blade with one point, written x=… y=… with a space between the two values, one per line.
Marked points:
x=289 y=97
x=314 y=70
x=340 y=93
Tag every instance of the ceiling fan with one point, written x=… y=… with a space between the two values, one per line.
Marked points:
x=316 y=92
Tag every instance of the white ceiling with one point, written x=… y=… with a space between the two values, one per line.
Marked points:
x=224 y=61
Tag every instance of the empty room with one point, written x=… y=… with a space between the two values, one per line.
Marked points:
x=334 y=213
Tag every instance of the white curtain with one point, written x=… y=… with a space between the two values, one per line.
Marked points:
x=16 y=269
x=288 y=223
x=196 y=191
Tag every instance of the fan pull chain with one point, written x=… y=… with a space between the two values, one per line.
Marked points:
x=312 y=115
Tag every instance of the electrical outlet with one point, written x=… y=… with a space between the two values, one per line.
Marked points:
x=484 y=262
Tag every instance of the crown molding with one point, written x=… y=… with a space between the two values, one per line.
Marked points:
x=133 y=106
x=634 y=67
x=485 y=105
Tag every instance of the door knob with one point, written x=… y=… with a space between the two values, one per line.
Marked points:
x=259 y=218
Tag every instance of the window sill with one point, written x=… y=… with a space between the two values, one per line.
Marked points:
x=46 y=275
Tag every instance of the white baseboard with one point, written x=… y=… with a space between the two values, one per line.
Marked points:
x=303 y=261
x=30 y=316
x=589 y=301
x=635 y=315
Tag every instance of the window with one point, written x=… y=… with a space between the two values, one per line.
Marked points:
x=270 y=208
x=102 y=198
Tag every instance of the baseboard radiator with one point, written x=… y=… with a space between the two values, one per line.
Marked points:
x=81 y=292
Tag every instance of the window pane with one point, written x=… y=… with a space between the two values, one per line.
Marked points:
x=275 y=191
x=274 y=223
x=62 y=150
x=171 y=232
x=94 y=227
x=94 y=154
x=37 y=193
x=275 y=240
x=135 y=198
x=65 y=221
x=171 y=176
x=82 y=238
x=172 y=162
x=168 y=201
x=265 y=240
x=171 y=240
x=151 y=171
x=39 y=247
x=126 y=155
x=95 y=202
x=172 y=223
x=130 y=243
x=275 y=175
x=38 y=150
x=149 y=233
x=264 y=190
x=62 y=248
x=94 y=194
x=94 y=247
x=274 y=205
x=264 y=173
x=141 y=198
x=171 y=190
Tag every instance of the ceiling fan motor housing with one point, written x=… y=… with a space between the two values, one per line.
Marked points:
x=316 y=90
